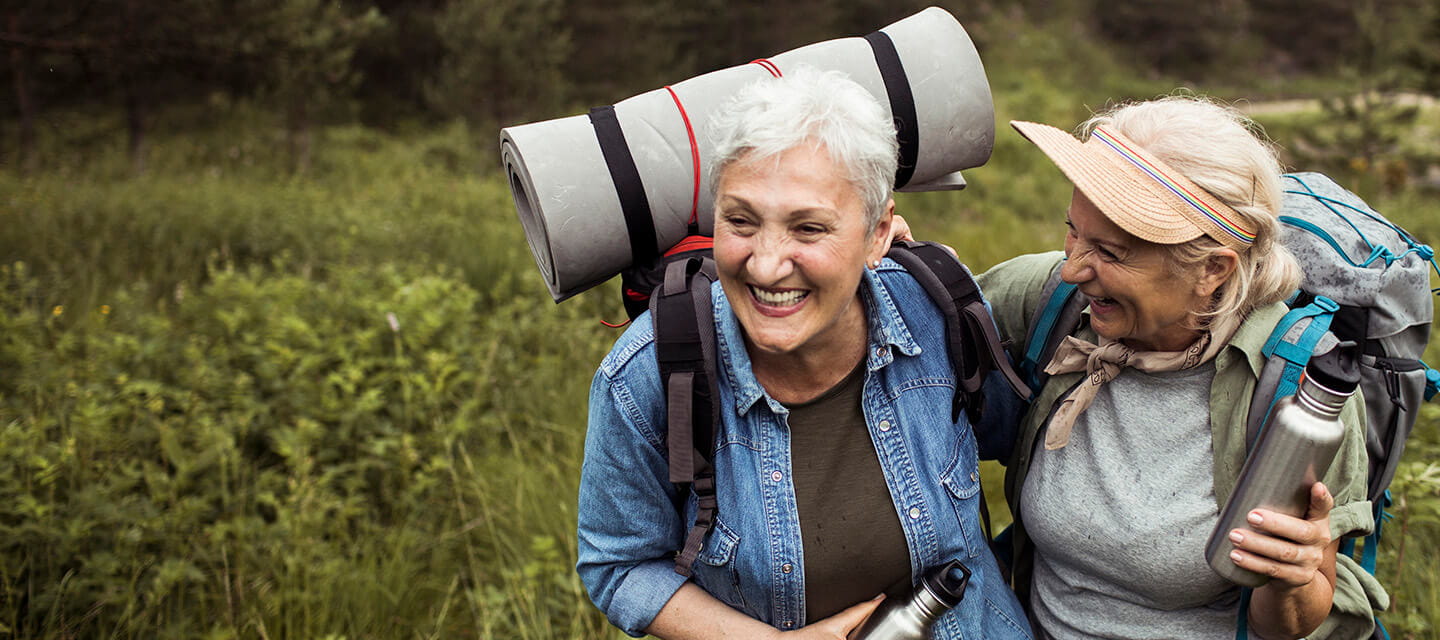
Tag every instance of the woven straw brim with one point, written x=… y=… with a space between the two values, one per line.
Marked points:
x=1129 y=197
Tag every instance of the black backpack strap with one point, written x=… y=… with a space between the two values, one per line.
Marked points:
x=685 y=350
x=975 y=345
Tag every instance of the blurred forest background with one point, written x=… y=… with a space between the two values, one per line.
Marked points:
x=275 y=361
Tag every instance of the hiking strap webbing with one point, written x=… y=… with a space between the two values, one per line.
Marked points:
x=684 y=337
x=902 y=104
x=1042 y=342
x=633 y=203
x=975 y=346
x=1242 y=621
x=1293 y=353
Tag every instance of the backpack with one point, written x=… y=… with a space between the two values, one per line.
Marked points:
x=1366 y=280
x=676 y=289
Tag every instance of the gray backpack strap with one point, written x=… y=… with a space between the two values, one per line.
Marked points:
x=685 y=351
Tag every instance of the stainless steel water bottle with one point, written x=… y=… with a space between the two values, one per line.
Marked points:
x=911 y=616
x=1293 y=451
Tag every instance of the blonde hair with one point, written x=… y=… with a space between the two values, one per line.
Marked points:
x=1228 y=155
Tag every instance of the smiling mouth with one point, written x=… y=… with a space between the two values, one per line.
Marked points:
x=1103 y=302
x=782 y=298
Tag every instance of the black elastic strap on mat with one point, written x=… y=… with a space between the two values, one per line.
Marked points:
x=633 y=203
x=902 y=104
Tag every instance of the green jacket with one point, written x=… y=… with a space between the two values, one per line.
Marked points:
x=1014 y=288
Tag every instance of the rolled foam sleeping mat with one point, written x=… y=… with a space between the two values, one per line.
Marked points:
x=597 y=193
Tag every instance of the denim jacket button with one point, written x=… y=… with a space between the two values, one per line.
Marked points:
x=974 y=476
x=776 y=476
x=914 y=512
x=884 y=425
x=787 y=567
x=880 y=351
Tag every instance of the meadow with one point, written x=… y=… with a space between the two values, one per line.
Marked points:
x=240 y=403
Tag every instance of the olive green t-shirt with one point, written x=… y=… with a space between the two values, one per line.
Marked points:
x=853 y=545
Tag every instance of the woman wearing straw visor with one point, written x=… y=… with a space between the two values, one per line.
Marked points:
x=1136 y=440
x=838 y=466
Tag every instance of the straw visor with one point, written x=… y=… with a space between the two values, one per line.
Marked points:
x=1137 y=191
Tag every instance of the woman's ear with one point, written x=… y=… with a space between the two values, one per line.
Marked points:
x=880 y=239
x=1218 y=268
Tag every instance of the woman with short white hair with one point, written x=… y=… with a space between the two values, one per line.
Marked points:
x=839 y=469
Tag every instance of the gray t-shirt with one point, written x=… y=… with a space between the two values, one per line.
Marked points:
x=1120 y=516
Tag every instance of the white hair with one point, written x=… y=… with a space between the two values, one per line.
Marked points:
x=806 y=106
x=1226 y=154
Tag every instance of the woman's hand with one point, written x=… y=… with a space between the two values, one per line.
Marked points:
x=899 y=229
x=693 y=614
x=1287 y=549
x=838 y=626
x=1299 y=557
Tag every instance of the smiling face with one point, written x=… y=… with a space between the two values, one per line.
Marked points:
x=1134 y=295
x=791 y=243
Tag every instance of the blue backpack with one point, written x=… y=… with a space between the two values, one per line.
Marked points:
x=1367 y=281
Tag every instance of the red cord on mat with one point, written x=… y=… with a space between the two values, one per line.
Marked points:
x=694 y=157
x=768 y=65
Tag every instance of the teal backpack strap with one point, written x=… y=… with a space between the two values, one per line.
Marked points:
x=1294 y=353
x=1432 y=382
x=1057 y=315
x=1049 y=314
x=1242 y=621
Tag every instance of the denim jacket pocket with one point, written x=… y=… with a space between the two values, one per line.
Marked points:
x=715 y=569
x=962 y=482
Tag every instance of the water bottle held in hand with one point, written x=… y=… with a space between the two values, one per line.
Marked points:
x=911 y=616
x=1293 y=452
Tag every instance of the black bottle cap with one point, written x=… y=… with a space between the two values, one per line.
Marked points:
x=947 y=582
x=1337 y=370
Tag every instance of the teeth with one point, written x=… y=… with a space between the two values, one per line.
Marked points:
x=778 y=298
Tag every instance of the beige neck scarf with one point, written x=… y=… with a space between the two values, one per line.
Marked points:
x=1104 y=362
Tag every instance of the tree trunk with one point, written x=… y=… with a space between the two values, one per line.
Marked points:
x=19 y=61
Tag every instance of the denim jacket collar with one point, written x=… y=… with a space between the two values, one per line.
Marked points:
x=888 y=333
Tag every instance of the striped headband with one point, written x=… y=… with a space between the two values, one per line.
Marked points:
x=1220 y=225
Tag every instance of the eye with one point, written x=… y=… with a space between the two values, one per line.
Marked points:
x=810 y=229
x=1106 y=254
x=739 y=223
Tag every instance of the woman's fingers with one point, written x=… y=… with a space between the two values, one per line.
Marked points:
x=841 y=624
x=1283 y=547
x=899 y=228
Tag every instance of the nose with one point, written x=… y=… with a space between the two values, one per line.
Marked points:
x=770 y=262
x=1076 y=267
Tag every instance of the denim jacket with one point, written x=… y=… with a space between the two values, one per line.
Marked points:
x=629 y=527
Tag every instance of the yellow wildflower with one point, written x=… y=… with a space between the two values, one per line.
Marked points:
x=59 y=309
x=104 y=309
